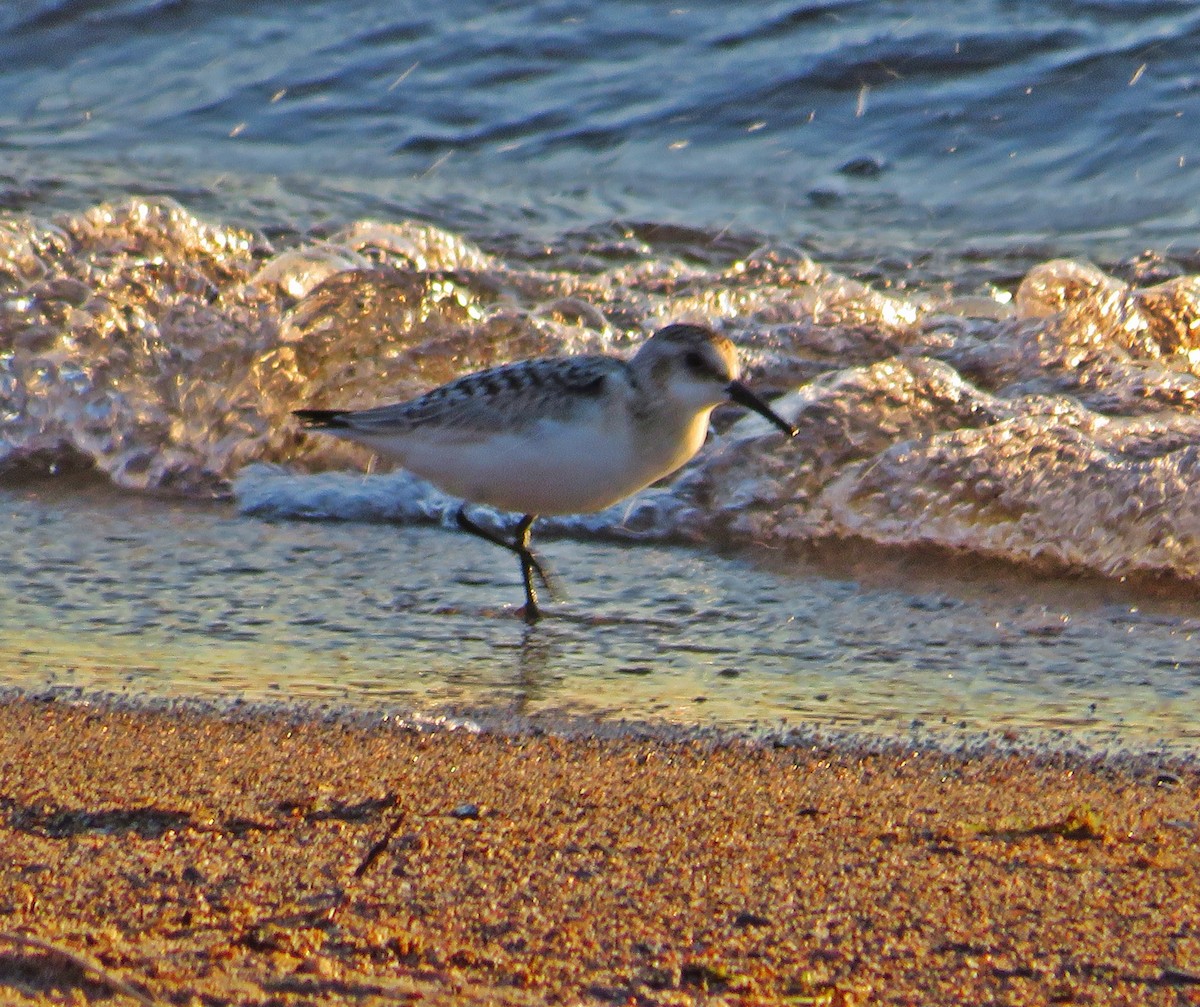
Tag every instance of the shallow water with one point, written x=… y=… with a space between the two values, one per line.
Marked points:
x=146 y=598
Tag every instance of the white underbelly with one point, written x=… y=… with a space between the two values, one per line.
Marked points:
x=552 y=468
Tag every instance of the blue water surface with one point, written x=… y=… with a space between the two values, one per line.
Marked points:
x=881 y=126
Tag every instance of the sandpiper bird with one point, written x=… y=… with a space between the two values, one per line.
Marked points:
x=557 y=435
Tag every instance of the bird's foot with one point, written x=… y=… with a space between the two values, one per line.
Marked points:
x=530 y=613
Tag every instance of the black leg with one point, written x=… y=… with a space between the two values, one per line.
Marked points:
x=529 y=563
x=520 y=546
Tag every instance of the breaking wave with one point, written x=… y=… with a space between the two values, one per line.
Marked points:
x=1048 y=422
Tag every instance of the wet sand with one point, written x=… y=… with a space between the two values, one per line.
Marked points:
x=177 y=857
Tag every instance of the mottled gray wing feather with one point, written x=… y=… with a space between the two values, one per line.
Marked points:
x=512 y=395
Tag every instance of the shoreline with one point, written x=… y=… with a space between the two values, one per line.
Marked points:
x=1133 y=751
x=870 y=653
x=226 y=858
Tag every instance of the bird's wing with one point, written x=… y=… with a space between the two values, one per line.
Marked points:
x=512 y=395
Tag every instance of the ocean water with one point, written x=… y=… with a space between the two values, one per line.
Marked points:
x=957 y=247
x=868 y=130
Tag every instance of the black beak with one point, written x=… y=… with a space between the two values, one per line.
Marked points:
x=742 y=395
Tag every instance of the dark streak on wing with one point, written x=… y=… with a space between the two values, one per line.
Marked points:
x=322 y=419
x=593 y=387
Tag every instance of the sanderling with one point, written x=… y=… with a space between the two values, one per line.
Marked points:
x=557 y=435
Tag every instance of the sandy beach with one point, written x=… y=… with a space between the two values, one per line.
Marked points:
x=183 y=858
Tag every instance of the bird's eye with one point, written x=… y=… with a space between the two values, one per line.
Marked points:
x=696 y=362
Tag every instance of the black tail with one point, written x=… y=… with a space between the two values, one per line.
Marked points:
x=322 y=419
